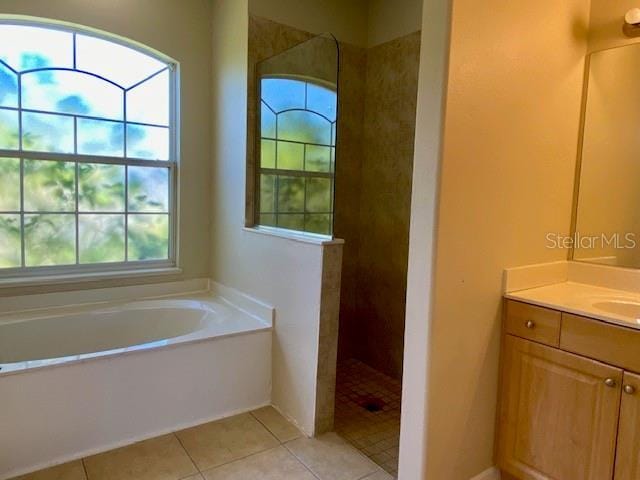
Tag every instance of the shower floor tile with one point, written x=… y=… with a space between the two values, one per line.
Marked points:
x=367 y=412
x=261 y=445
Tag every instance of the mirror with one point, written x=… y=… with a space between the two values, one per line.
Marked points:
x=607 y=213
x=297 y=127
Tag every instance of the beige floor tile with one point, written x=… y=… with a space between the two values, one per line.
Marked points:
x=274 y=464
x=277 y=424
x=194 y=477
x=330 y=457
x=380 y=475
x=67 y=471
x=223 y=441
x=373 y=432
x=161 y=458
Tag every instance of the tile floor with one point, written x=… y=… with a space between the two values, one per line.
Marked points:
x=260 y=445
x=375 y=433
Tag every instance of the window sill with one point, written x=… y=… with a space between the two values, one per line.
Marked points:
x=295 y=236
x=54 y=279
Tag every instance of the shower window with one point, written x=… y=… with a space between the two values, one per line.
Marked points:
x=87 y=153
x=297 y=154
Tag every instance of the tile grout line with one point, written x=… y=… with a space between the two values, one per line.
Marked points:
x=84 y=467
x=266 y=428
x=299 y=460
x=174 y=433
x=282 y=444
x=378 y=467
x=239 y=459
x=201 y=472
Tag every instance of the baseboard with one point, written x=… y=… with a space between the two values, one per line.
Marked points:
x=489 y=474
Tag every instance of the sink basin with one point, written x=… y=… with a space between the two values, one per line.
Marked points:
x=619 y=307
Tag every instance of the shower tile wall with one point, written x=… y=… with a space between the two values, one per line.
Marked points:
x=353 y=62
x=266 y=39
x=385 y=201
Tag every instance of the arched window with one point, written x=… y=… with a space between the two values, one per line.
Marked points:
x=297 y=154
x=87 y=152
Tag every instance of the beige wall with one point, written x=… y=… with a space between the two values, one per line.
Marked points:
x=345 y=19
x=364 y=23
x=182 y=31
x=511 y=131
x=387 y=19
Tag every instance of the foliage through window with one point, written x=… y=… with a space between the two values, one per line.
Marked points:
x=86 y=151
x=297 y=155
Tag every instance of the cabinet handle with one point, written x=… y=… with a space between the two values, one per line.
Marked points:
x=610 y=382
x=629 y=389
x=530 y=325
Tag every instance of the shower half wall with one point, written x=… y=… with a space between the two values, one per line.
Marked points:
x=376 y=126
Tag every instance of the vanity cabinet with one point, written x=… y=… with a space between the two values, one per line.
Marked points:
x=564 y=415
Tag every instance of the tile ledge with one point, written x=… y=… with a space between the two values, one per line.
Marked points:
x=295 y=236
x=47 y=280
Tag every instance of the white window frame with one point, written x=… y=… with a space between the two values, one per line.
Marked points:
x=25 y=275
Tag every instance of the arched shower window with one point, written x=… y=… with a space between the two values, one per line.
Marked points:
x=297 y=154
x=87 y=152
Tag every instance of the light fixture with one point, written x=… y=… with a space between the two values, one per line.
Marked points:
x=632 y=17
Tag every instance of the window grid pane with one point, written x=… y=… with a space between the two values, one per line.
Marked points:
x=65 y=201
x=59 y=231
x=296 y=156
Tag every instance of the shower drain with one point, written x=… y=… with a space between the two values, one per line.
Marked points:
x=371 y=404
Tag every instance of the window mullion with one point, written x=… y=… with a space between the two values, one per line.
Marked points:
x=126 y=179
x=126 y=213
x=77 y=183
x=23 y=260
x=304 y=168
x=75 y=49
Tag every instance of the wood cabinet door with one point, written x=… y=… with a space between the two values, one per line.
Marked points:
x=628 y=451
x=558 y=415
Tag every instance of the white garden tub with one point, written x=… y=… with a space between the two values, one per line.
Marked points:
x=83 y=379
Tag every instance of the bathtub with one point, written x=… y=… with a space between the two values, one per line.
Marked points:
x=87 y=378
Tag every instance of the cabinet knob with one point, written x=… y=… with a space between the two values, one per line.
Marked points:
x=610 y=382
x=530 y=324
x=629 y=389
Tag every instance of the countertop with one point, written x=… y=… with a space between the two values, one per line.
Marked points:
x=581 y=299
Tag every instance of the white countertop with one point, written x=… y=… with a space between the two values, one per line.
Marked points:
x=580 y=299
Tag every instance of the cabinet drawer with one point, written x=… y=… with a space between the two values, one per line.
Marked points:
x=533 y=323
x=602 y=341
